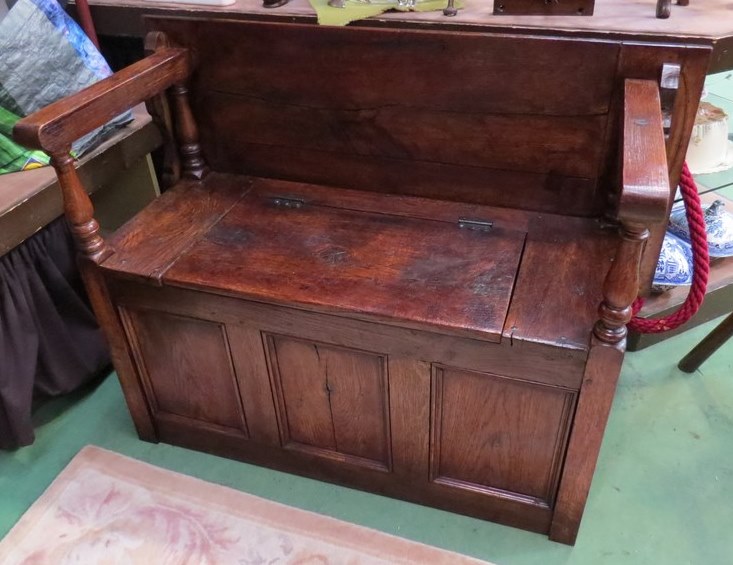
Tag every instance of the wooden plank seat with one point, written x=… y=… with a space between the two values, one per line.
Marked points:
x=392 y=259
x=397 y=259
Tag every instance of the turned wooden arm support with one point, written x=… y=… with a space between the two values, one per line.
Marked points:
x=644 y=200
x=54 y=128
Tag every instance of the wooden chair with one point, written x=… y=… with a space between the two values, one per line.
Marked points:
x=399 y=258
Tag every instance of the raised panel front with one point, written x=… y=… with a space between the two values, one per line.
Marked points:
x=498 y=435
x=186 y=368
x=332 y=401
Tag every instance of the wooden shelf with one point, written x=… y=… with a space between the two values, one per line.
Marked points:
x=628 y=19
x=29 y=200
x=718 y=299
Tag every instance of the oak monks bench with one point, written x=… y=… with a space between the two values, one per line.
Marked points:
x=397 y=258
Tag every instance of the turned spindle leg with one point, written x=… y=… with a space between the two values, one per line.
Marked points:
x=187 y=134
x=79 y=210
x=621 y=286
x=93 y=250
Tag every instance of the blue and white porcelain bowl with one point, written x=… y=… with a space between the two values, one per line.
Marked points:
x=674 y=267
x=718 y=225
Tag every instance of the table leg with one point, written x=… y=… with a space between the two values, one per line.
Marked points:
x=700 y=353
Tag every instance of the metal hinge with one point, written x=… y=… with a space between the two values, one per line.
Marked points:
x=287 y=202
x=474 y=224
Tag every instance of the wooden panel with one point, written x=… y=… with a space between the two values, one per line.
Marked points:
x=594 y=406
x=513 y=357
x=303 y=390
x=465 y=100
x=519 y=189
x=394 y=204
x=250 y=364
x=149 y=243
x=409 y=403
x=352 y=262
x=106 y=313
x=564 y=145
x=357 y=390
x=186 y=367
x=358 y=68
x=567 y=264
x=345 y=472
x=331 y=399
x=493 y=434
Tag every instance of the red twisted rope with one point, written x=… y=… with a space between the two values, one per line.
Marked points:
x=700 y=260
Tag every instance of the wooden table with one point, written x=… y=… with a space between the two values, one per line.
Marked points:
x=118 y=174
x=708 y=22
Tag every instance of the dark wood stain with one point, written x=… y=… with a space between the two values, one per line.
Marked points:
x=382 y=265
x=305 y=297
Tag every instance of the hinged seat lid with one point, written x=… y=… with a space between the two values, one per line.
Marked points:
x=276 y=246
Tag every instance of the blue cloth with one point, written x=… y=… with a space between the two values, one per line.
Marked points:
x=45 y=56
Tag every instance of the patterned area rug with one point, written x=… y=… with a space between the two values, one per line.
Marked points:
x=105 y=508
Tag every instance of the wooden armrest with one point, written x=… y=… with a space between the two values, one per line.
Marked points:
x=645 y=194
x=644 y=201
x=56 y=126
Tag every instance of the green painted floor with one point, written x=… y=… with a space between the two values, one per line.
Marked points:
x=663 y=491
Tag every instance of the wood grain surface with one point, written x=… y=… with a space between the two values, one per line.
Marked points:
x=359 y=118
x=187 y=367
x=498 y=434
x=56 y=126
x=438 y=349
x=422 y=273
x=353 y=402
x=645 y=192
x=546 y=363
x=626 y=19
x=589 y=423
x=333 y=399
x=153 y=240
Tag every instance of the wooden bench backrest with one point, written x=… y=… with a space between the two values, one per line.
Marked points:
x=492 y=119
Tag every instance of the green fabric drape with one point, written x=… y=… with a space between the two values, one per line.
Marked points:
x=13 y=157
x=355 y=10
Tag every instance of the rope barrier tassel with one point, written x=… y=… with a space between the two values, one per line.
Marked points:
x=700 y=262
